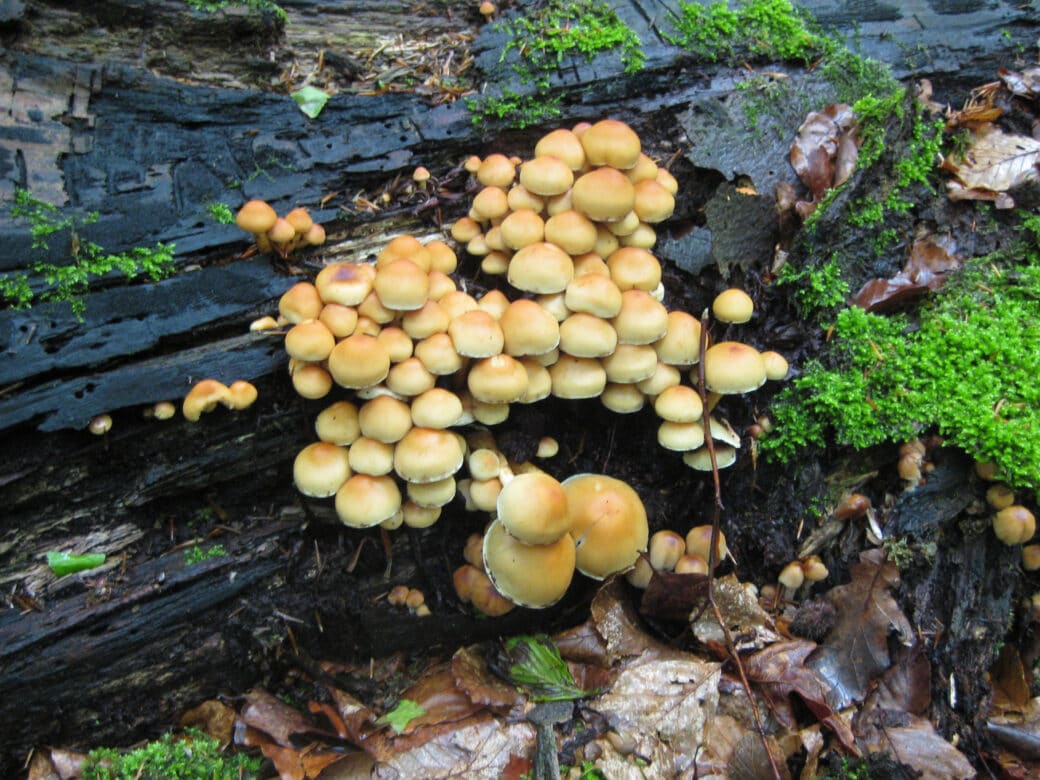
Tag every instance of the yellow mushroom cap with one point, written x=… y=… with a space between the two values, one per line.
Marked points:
x=410 y=378
x=497 y=380
x=476 y=334
x=604 y=195
x=630 y=363
x=533 y=508
x=681 y=344
x=645 y=169
x=608 y=523
x=339 y=319
x=359 y=361
x=776 y=365
x=522 y=227
x=700 y=459
x=397 y=343
x=100 y=424
x=680 y=436
x=402 y=285
x=300 y=219
x=310 y=380
x=490 y=203
x=791 y=576
x=241 y=395
x=622 y=398
x=256 y=216
x=496 y=170
x=586 y=335
x=423 y=322
x=431 y=494
x=203 y=397
x=611 y=142
x=666 y=548
x=465 y=230
x=546 y=175
x=731 y=367
x=427 y=455
x=642 y=319
x=385 y=419
x=634 y=268
x=438 y=355
x=436 y=408
x=1014 y=524
x=310 y=341
x=372 y=457
x=653 y=202
x=733 y=305
x=576 y=378
x=563 y=144
x=679 y=403
x=338 y=423
x=365 y=501
x=529 y=575
x=494 y=302
x=443 y=259
x=320 y=469
x=593 y=294
x=572 y=231
x=484 y=463
x=345 y=283
x=540 y=267
x=664 y=376
x=405 y=247
x=300 y=302
x=698 y=542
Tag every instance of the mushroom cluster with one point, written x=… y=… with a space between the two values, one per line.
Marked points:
x=283 y=235
x=580 y=316
x=206 y=394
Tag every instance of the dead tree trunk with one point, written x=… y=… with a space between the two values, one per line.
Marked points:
x=157 y=118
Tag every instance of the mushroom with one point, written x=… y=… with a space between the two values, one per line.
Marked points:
x=241 y=395
x=733 y=305
x=100 y=424
x=320 y=469
x=257 y=217
x=533 y=508
x=1014 y=524
x=608 y=523
x=527 y=574
x=203 y=397
x=365 y=501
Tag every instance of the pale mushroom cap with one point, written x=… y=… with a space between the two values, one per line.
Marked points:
x=416 y=515
x=311 y=381
x=608 y=523
x=664 y=376
x=700 y=459
x=436 y=408
x=622 y=398
x=300 y=302
x=427 y=455
x=733 y=305
x=1014 y=524
x=410 y=377
x=653 y=202
x=457 y=302
x=572 y=231
x=642 y=319
x=533 y=508
x=256 y=216
x=563 y=144
x=432 y=494
x=490 y=203
x=338 y=423
x=776 y=365
x=345 y=283
x=681 y=344
x=576 y=378
x=497 y=380
x=241 y=395
x=643 y=237
x=339 y=319
x=548 y=447
x=438 y=355
x=666 y=548
x=698 y=542
x=310 y=341
x=405 y=247
x=540 y=267
x=603 y=194
x=359 y=361
x=679 y=403
x=465 y=229
x=496 y=170
x=611 y=142
x=402 y=285
x=528 y=329
x=484 y=493
x=372 y=457
x=539 y=382
x=203 y=397
x=731 y=367
x=546 y=175
x=634 y=268
x=365 y=501
x=519 y=198
x=483 y=463
x=522 y=227
x=385 y=419
x=555 y=304
x=588 y=336
x=476 y=334
x=680 y=436
x=281 y=232
x=530 y=575
x=630 y=363
x=423 y=322
x=494 y=302
x=397 y=343
x=320 y=469
x=100 y=424
x=443 y=259
x=440 y=285
x=593 y=294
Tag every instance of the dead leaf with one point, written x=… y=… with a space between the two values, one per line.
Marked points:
x=55 y=764
x=264 y=712
x=672 y=596
x=780 y=670
x=661 y=701
x=213 y=718
x=617 y=623
x=583 y=644
x=919 y=746
x=440 y=698
x=1008 y=678
x=291 y=763
x=815 y=147
x=1022 y=84
x=855 y=652
x=750 y=626
x=996 y=161
x=931 y=258
x=471 y=676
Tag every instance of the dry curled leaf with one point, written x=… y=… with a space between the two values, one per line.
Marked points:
x=995 y=161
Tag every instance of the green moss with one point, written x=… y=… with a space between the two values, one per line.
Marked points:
x=543 y=40
x=196 y=554
x=220 y=213
x=197 y=757
x=88 y=261
x=964 y=368
x=753 y=30
x=212 y=6
x=816 y=289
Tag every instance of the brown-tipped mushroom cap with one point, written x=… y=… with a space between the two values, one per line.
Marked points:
x=546 y=176
x=653 y=202
x=320 y=469
x=680 y=404
x=338 y=423
x=402 y=285
x=666 y=548
x=642 y=319
x=497 y=380
x=1014 y=525
x=490 y=203
x=385 y=419
x=731 y=367
x=496 y=170
x=608 y=523
x=530 y=575
x=522 y=227
x=365 y=501
x=698 y=542
x=436 y=408
x=203 y=397
x=310 y=341
x=528 y=329
x=563 y=144
x=300 y=302
x=345 y=283
x=533 y=508
x=476 y=334
x=359 y=361
x=604 y=195
x=572 y=231
x=241 y=395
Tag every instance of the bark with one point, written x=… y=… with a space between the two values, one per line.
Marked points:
x=163 y=114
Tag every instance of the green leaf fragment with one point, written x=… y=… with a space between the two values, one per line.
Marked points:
x=311 y=100
x=63 y=563
x=540 y=671
x=400 y=716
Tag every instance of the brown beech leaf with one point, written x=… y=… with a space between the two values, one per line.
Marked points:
x=671 y=596
x=855 y=651
x=919 y=746
x=751 y=627
x=354 y=718
x=440 y=698
x=815 y=148
x=617 y=623
x=482 y=687
x=780 y=670
x=1023 y=84
x=213 y=718
x=931 y=258
x=55 y=764
x=583 y=644
x=1010 y=685
x=264 y=712
x=996 y=161
x=291 y=764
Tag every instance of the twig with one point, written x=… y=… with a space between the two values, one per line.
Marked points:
x=713 y=552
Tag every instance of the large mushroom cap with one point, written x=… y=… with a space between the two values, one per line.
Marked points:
x=611 y=142
x=365 y=501
x=533 y=508
x=531 y=575
x=320 y=469
x=256 y=216
x=427 y=455
x=608 y=523
x=603 y=194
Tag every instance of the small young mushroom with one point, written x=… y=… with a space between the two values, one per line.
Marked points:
x=203 y=397
x=100 y=424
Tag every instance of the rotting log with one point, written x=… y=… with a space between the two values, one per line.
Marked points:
x=148 y=126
